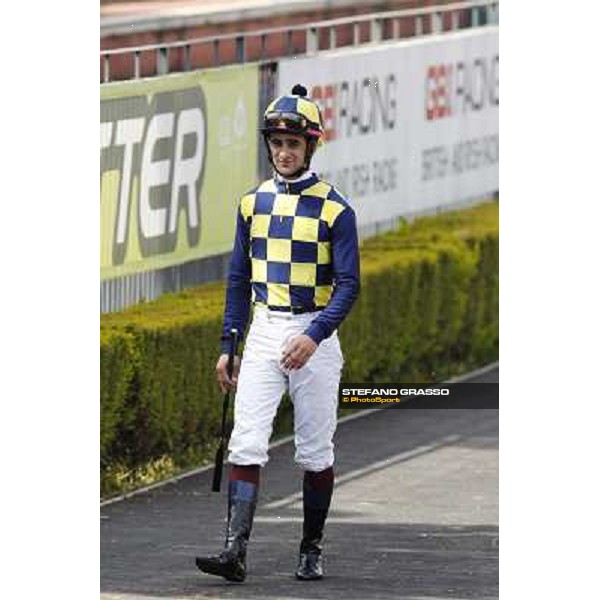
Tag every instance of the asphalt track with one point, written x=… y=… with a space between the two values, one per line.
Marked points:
x=414 y=517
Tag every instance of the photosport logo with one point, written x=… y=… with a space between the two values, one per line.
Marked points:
x=419 y=395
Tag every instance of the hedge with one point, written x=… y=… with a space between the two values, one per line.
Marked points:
x=428 y=309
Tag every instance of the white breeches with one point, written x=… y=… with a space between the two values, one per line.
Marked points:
x=262 y=381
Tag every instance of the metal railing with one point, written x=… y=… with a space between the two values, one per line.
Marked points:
x=428 y=20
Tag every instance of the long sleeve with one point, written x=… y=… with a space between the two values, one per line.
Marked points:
x=238 y=295
x=346 y=276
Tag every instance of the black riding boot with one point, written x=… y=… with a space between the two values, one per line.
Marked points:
x=231 y=563
x=316 y=506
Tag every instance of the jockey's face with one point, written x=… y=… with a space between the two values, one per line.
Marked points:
x=288 y=152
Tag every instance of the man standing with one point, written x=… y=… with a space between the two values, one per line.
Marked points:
x=295 y=258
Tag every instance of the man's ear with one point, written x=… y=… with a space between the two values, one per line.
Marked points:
x=311 y=146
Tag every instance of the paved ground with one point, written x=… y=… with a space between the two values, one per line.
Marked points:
x=414 y=517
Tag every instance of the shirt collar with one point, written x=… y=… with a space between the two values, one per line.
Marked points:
x=295 y=186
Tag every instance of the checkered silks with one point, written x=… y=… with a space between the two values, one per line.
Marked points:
x=290 y=244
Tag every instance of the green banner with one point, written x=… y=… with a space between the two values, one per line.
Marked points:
x=176 y=153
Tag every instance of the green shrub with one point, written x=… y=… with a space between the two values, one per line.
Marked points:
x=428 y=309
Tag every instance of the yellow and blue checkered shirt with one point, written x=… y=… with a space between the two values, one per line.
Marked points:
x=296 y=249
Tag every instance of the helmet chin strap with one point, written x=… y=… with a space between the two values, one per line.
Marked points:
x=311 y=146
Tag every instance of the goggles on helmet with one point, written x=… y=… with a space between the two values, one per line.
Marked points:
x=289 y=122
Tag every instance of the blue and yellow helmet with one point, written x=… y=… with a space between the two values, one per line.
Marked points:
x=295 y=114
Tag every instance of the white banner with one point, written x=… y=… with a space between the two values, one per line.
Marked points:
x=410 y=126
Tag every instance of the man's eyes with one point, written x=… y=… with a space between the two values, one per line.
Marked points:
x=278 y=144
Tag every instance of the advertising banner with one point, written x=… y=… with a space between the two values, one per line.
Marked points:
x=176 y=154
x=410 y=126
